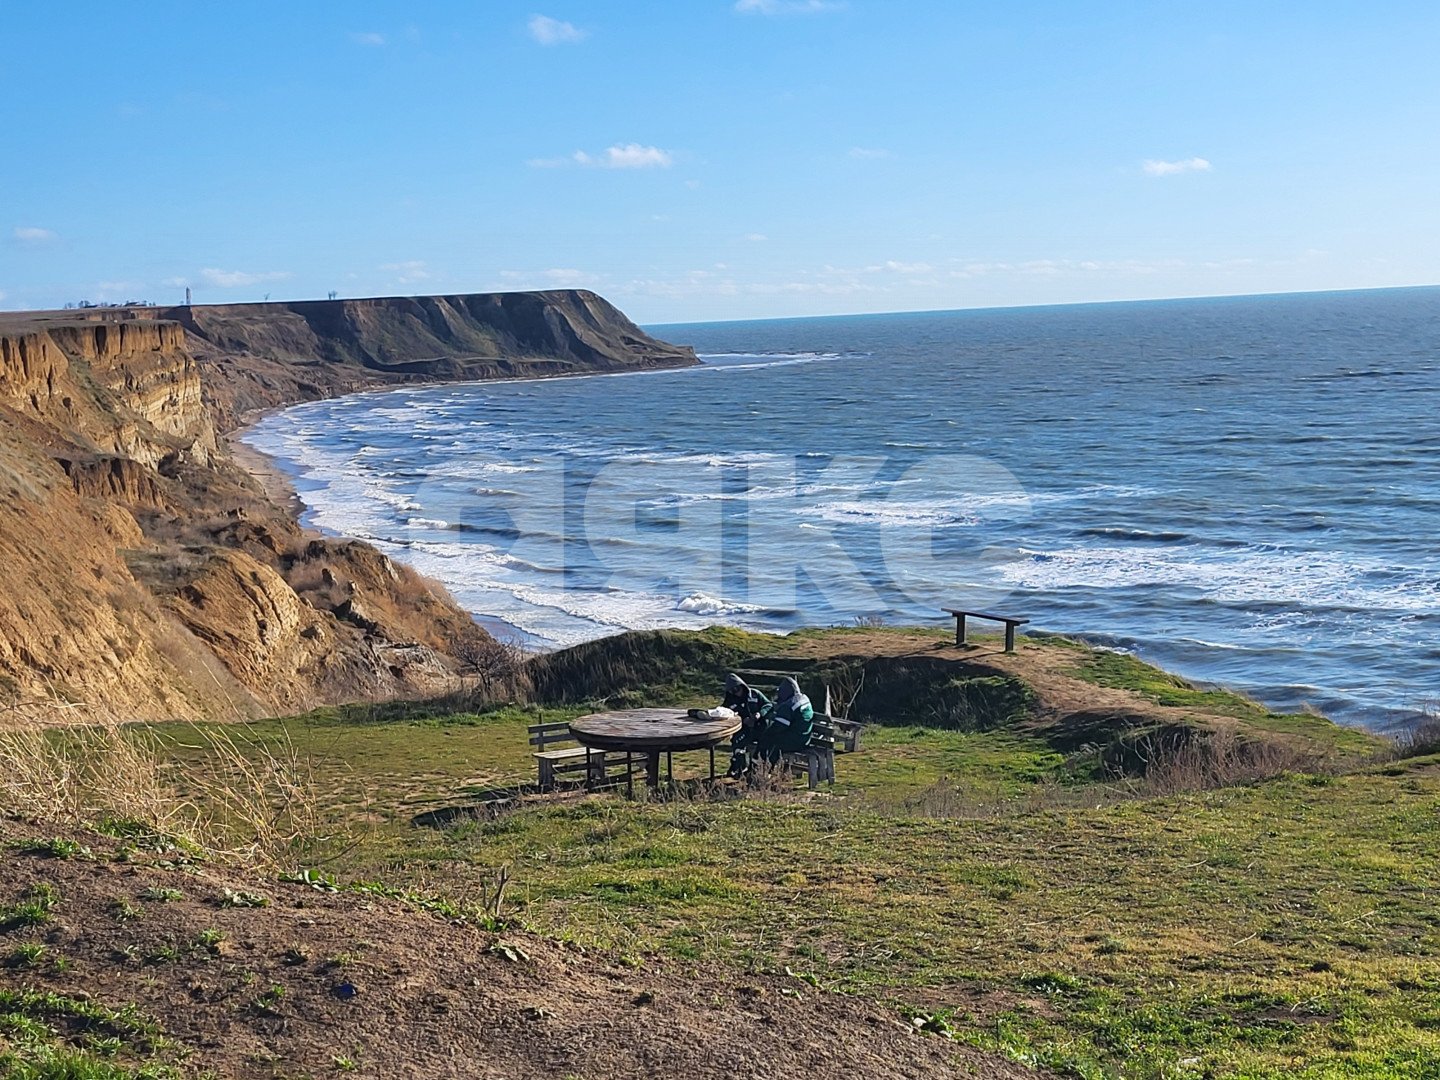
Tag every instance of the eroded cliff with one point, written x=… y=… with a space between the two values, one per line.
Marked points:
x=258 y=356
x=143 y=574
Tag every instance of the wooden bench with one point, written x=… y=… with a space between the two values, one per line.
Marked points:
x=592 y=766
x=1010 y=624
x=847 y=732
x=817 y=760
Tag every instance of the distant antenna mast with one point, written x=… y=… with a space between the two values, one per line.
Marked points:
x=187 y=295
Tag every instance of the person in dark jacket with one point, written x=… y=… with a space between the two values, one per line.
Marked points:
x=751 y=704
x=789 y=722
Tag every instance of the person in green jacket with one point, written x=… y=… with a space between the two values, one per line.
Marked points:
x=789 y=722
x=751 y=705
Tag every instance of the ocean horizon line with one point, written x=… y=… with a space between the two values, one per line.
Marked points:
x=1062 y=305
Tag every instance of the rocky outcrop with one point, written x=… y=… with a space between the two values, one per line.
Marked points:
x=146 y=576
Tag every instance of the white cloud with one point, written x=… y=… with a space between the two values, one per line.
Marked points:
x=756 y=237
x=372 y=40
x=785 y=7
x=234 y=279
x=1174 y=168
x=548 y=31
x=628 y=156
x=410 y=271
x=893 y=266
x=865 y=153
x=33 y=236
x=2 y=294
x=558 y=278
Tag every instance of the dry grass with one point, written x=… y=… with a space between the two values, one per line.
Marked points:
x=237 y=801
x=1221 y=759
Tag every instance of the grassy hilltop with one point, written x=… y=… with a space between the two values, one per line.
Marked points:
x=1061 y=860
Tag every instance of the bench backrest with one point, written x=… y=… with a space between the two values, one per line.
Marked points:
x=1009 y=620
x=822 y=732
x=543 y=735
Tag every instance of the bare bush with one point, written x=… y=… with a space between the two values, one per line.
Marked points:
x=1422 y=737
x=1220 y=759
x=494 y=669
x=843 y=686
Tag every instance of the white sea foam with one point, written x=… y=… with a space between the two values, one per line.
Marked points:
x=894 y=513
x=1244 y=576
x=700 y=604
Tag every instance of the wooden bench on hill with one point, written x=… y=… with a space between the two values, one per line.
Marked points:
x=1010 y=624
x=573 y=761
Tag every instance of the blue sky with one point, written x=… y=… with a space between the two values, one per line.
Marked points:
x=708 y=159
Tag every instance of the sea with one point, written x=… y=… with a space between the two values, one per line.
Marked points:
x=1243 y=490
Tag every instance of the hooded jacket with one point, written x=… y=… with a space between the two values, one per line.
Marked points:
x=792 y=710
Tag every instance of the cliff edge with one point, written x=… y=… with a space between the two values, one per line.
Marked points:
x=259 y=356
x=147 y=576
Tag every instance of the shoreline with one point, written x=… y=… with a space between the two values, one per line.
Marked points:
x=278 y=485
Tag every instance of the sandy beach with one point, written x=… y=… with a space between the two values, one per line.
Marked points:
x=273 y=480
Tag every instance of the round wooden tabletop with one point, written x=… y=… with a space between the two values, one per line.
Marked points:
x=651 y=730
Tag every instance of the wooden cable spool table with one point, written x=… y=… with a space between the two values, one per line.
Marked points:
x=651 y=732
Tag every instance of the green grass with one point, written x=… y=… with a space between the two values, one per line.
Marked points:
x=1267 y=930
x=1252 y=927
x=1126 y=672
x=161 y=894
x=967 y=878
x=36 y=1024
x=26 y=955
x=33 y=909
x=54 y=848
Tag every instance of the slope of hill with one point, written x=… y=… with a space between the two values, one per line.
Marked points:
x=122 y=961
x=146 y=575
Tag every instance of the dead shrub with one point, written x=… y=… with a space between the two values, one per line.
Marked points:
x=1423 y=736
x=493 y=670
x=1219 y=759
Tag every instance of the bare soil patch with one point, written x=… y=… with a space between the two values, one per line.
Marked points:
x=321 y=983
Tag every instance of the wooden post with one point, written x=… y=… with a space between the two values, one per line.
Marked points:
x=1009 y=637
x=960 y=628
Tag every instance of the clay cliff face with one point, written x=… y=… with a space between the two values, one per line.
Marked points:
x=144 y=575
